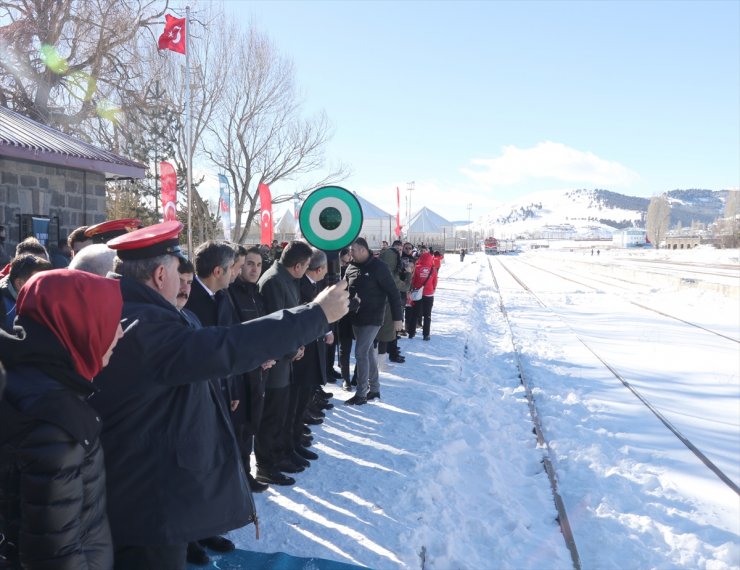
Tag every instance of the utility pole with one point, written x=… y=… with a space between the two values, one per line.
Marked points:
x=470 y=230
x=409 y=190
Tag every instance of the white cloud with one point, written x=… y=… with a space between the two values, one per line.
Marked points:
x=549 y=160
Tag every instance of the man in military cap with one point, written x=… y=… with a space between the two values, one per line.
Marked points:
x=106 y=231
x=173 y=467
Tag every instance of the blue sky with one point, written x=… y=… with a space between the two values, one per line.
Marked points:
x=485 y=102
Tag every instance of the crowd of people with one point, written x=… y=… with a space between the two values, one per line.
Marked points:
x=140 y=383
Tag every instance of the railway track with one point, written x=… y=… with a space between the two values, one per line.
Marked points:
x=548 y=456
x=640 y=305
x=542 y=442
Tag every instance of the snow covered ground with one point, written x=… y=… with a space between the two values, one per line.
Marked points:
x=444 y=472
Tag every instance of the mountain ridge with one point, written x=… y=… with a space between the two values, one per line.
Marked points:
x=594 y=212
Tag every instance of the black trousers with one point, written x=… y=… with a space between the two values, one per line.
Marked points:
x=421 y=311
x=306 y=386
x=269 y=445
x=159 y=557
x=424 y=310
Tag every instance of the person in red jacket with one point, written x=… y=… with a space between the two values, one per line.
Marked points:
x=425 y=277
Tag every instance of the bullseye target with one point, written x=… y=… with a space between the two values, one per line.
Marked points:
x=330 y=218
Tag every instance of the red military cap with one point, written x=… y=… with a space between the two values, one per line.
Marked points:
x=151 y=241
x=104 y=231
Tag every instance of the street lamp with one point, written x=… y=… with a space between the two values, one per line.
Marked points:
x=470 y=231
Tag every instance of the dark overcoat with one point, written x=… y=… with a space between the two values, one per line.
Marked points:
x=52 y=479
x=373 y=283
x=174 y=472
x=279 y=290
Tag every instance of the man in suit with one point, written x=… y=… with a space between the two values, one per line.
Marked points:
x=310 y=371
x=210 y=304
x=274 y=442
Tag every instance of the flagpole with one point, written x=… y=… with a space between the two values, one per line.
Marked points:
x=189 y=132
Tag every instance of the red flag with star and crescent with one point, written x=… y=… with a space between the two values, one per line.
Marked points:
x=173 y=37
x=168 y=179
x=266 y=214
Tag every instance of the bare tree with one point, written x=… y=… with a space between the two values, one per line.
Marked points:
x=62 y=61
x=658 y=218
x=729 y=225
x=256 y=134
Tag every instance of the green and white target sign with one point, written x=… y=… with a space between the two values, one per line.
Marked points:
x=330 y=218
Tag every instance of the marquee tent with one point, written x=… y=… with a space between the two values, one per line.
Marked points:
x=377 y=224
x=432 y=229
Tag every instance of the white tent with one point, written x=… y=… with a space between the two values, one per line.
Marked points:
x=285 y=228
x=430 y=228
x=377 y=224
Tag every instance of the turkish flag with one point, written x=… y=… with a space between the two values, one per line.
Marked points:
x=398 y=212
x=266 y=214
x=168 y=179
x=173 y=37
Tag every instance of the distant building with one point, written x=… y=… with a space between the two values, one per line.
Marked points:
x=50 y=182
x=682 y=242
x=631 y=237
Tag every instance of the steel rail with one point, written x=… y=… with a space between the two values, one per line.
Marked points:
x=673 y=429
x=547 y=462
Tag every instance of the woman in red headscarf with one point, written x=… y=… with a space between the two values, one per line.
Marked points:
x=52 y=477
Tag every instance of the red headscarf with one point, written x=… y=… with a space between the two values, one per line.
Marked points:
x=81 y=309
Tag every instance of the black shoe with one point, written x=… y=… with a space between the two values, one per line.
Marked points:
x=297 y=459
x=312 y=421
x=397 y=358
x=346 y=386
x=274 y=478
x=254 y=485
x=306 y=430
x=426 y=337
x=288 y=466
x=373 y=396
x=356 y=400
x=324 y=394
x=306 y=453
x=314 y=413
x=332 y=373
x=217 y=543
x=327 y=406
x=197 y=555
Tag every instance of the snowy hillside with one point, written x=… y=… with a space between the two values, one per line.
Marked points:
x=589 y=214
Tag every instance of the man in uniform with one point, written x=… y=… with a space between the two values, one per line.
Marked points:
x=172 y=463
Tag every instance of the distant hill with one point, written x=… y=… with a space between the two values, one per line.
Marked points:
x=593 y=214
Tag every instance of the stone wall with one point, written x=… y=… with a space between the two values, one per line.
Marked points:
x=77 y=197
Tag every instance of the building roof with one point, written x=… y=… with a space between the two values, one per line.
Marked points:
x=369 y=210
x=427 y=222
x=25 y=139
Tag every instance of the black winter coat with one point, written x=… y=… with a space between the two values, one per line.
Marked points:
x=373 y=283
x=52 y=477
x=312 y=367
x=279 y=290
x=251 y=391
x=174 y=472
